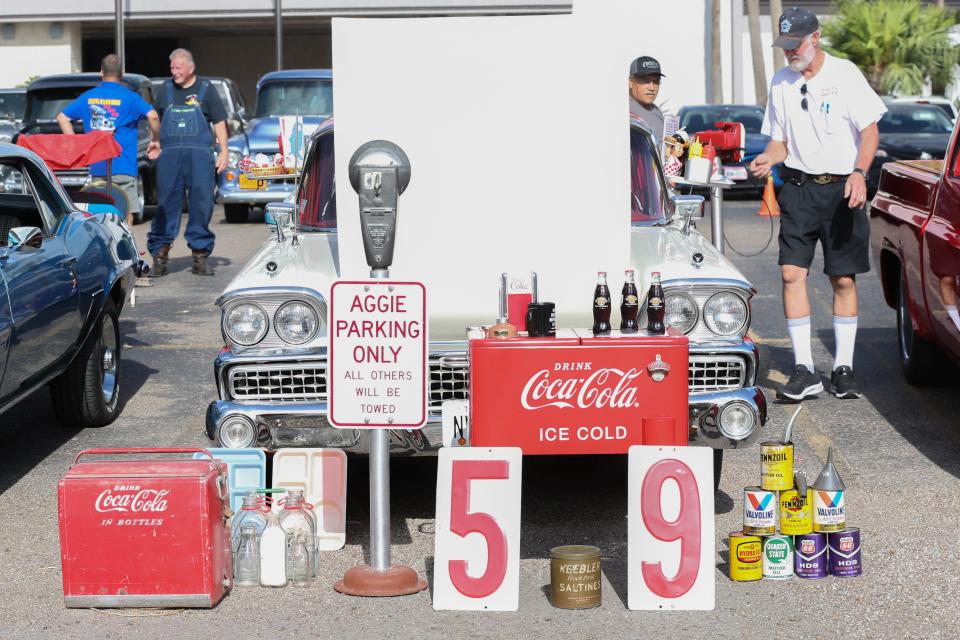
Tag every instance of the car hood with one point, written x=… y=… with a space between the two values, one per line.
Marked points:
x=912 y=145
x=261 y=134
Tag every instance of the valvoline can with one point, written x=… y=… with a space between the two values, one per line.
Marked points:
x=810 y=555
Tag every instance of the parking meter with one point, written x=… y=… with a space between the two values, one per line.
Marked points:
x=379 y=172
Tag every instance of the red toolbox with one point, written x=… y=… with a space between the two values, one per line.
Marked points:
x=579 y=394
x=144 y=530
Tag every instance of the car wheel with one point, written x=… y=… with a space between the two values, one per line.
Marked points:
x=717 y=468
x=918 y=358
x=88 y=393
x=236 y=212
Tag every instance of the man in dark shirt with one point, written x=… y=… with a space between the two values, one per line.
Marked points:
x=188 y=105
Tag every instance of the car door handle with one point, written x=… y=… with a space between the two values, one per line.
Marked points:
x=68 y=262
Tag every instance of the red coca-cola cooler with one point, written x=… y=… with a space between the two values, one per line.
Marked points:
x=140 y=529
x=579 y=394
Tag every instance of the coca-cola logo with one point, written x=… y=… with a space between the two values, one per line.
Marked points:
x=603 y=388
x=135 y=501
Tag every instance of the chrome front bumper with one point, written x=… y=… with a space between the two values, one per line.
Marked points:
x=250 y=196
x=304 y=424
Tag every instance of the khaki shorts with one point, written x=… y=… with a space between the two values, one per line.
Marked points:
x=127 y=184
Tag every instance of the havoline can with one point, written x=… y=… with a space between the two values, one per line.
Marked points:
x=778 y=557
x=845 y=560
x=829 y=511
x=796 y=512
x=810 y=555
x=745 y=557
x=776 y=465
x=759 y=511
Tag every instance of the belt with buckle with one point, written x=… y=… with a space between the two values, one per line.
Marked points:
x=798 y=177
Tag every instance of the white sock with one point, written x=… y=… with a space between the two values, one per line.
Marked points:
x=845 y=332
x=952 y=312
x=799 y=330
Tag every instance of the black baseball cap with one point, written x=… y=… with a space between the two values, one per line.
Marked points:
x=795 y=24
x=645 y=66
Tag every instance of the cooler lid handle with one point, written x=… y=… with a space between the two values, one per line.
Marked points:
x=134 y=450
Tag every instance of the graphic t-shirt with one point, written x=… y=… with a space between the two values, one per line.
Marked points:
x=112 y=107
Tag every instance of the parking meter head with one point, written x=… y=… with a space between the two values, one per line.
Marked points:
x=379 y=153
x=379 y=172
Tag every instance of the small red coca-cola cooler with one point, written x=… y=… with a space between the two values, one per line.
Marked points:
x=139 y=529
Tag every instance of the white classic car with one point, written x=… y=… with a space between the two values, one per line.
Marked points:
x=270 y=374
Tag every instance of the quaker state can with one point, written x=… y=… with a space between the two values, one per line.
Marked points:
x=778 y=557
x=829 y=511
x=796 y=512
x=575 y=577
x=745 y=557
x=845 y=560
x=776 y=465
x=810 y=555
x=759 y=511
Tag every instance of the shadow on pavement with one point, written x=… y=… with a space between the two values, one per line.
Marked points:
x=31 y=432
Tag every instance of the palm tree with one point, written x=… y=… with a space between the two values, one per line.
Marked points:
x=716 y=73
x=776 y=8
x=756 y=51
x=897 y=44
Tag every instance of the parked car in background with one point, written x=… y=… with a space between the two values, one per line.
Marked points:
x=230 y=95
x=296 y=92
x=944 y=104
x=915 y=233
x=909 y=132
x=49 y=95
x=701 y=117
x=271 y=373
x=65 y=277
x=12 y=104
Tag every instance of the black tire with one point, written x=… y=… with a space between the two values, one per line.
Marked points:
x=236 y=213
x=88 y=393
x=142 y=197
x=717 y=468
x=919 y=360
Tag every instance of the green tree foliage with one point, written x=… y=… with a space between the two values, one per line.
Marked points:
x=897 y=44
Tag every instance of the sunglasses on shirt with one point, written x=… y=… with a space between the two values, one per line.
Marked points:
x=803 y=92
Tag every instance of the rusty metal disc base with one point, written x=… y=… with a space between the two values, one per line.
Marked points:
x=362 y=580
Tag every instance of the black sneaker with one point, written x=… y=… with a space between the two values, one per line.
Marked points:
x=802 y=383
x=842 y=384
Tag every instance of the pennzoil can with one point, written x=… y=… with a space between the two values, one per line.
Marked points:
x=776 y=465
x=796 y=512
x=746 y=552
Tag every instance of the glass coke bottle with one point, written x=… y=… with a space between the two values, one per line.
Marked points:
x=656 y=307
x=629 y=304
x=601 y=305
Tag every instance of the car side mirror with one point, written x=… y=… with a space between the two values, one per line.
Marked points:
x=281 y=215
x=24 y=237
x=242 y=112
x=687 y=206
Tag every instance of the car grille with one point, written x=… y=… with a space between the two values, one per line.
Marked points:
x=716 y=373
x=449 y=379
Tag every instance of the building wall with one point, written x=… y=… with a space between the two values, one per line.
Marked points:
x=34 y=51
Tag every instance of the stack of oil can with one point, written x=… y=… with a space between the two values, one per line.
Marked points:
x=813 y=540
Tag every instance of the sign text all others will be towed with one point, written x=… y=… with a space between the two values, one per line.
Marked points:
x=377 y=354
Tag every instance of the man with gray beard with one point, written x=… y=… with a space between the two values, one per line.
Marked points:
x=822 y=121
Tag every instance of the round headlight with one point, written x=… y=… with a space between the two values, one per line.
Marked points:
x=296 y=322
x=725 y=313
x=681 y=312
x=246 y=324
x=233 y=158
x=737 y=421
x=237 y=432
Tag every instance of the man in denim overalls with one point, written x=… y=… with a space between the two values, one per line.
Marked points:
x=185 y=161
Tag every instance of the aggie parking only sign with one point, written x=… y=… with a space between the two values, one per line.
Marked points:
x=377 y=355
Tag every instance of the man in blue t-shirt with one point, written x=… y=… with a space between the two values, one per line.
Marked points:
x=111 y=106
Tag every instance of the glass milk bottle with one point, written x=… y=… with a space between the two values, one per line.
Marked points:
x=246 y=558
x=273 y=554
x=250 y=513
x=300 y=561
x=297 y=520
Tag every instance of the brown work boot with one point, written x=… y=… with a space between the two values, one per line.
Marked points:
x=160 y=259
x=200 y=265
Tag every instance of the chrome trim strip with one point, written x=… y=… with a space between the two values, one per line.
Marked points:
x=272 y=292
x=722 y=283
x=194 y=601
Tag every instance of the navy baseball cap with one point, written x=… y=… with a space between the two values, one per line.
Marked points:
x=645 y=66
x=795 y=24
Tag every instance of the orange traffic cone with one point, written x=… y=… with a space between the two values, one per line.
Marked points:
x=769 y=206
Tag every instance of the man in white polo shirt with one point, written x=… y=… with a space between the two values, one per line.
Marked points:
x=822 y=121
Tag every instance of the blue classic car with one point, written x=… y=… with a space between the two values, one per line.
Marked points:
x=65 y=276
x=295 y=92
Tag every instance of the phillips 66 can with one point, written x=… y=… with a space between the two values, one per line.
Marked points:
x=745 y=557
x=796 y=512
x=810 y=555
x=829 y=510
x=759 y=511
x=777 y=557
x=776 y=465
x=845 y=561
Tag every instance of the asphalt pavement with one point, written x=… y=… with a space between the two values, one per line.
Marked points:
x=897 y=448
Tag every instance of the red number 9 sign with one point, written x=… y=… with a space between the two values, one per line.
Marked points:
x=476 y=562
x=670 y=533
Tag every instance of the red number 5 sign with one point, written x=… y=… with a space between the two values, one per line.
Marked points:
x=477 y=546
x=670 y=531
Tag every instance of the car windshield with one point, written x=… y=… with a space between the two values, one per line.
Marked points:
x=646 y=185
x=702 y=118
x=12 y=105
x=914 y=119
x=45 y=104
x=317 y=198
x=295 y=98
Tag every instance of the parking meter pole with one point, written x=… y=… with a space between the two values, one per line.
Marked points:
x=716 y=217
x=380 y=485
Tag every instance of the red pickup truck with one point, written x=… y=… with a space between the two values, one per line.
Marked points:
x=915 y=231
